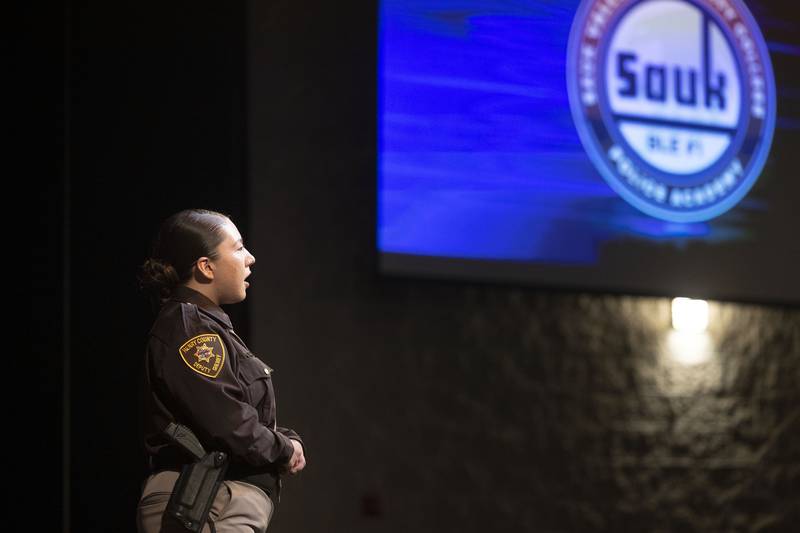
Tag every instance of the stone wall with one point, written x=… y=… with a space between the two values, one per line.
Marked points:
x=456 y=407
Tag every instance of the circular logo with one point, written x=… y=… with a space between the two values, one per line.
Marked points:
x=674 y=101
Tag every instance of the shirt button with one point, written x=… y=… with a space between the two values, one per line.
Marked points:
x=266 y=371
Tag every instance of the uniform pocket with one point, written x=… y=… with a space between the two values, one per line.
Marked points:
x=155 y=498
x=256 y=377
x=221 y=502
x=150 y=511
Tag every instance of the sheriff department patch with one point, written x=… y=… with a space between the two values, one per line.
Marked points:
x=205 y=354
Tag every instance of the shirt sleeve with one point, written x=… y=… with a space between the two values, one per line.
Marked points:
x=199 y=375
x=292 y=434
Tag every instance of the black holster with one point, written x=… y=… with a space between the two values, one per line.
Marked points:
x=195 y=490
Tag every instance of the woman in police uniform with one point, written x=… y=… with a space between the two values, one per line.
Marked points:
x=199 y=373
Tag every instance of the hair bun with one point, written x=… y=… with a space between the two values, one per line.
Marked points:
x=158 y=278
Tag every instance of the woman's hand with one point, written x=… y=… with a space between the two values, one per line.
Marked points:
x=298 y=460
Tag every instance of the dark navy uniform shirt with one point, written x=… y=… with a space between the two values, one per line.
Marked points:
x=202 y=375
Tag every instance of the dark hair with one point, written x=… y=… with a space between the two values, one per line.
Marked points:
x=182 y=239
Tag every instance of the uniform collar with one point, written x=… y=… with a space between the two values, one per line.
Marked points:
x=182 y=293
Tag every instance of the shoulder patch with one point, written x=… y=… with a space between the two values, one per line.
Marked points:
x=205 y=354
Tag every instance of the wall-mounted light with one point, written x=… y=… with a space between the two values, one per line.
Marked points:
x=689 y=315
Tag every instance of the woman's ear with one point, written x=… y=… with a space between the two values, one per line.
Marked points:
x=204 y=270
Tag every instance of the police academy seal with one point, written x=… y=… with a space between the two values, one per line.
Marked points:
x=673 y=100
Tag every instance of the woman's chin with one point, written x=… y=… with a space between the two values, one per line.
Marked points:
x=235 y=298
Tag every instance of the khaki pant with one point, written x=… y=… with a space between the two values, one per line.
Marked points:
x=238 y=508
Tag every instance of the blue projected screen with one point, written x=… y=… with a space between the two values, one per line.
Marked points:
x=645 y=146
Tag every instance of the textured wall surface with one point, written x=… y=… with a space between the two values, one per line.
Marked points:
x=465 y=408
x=441 y=406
